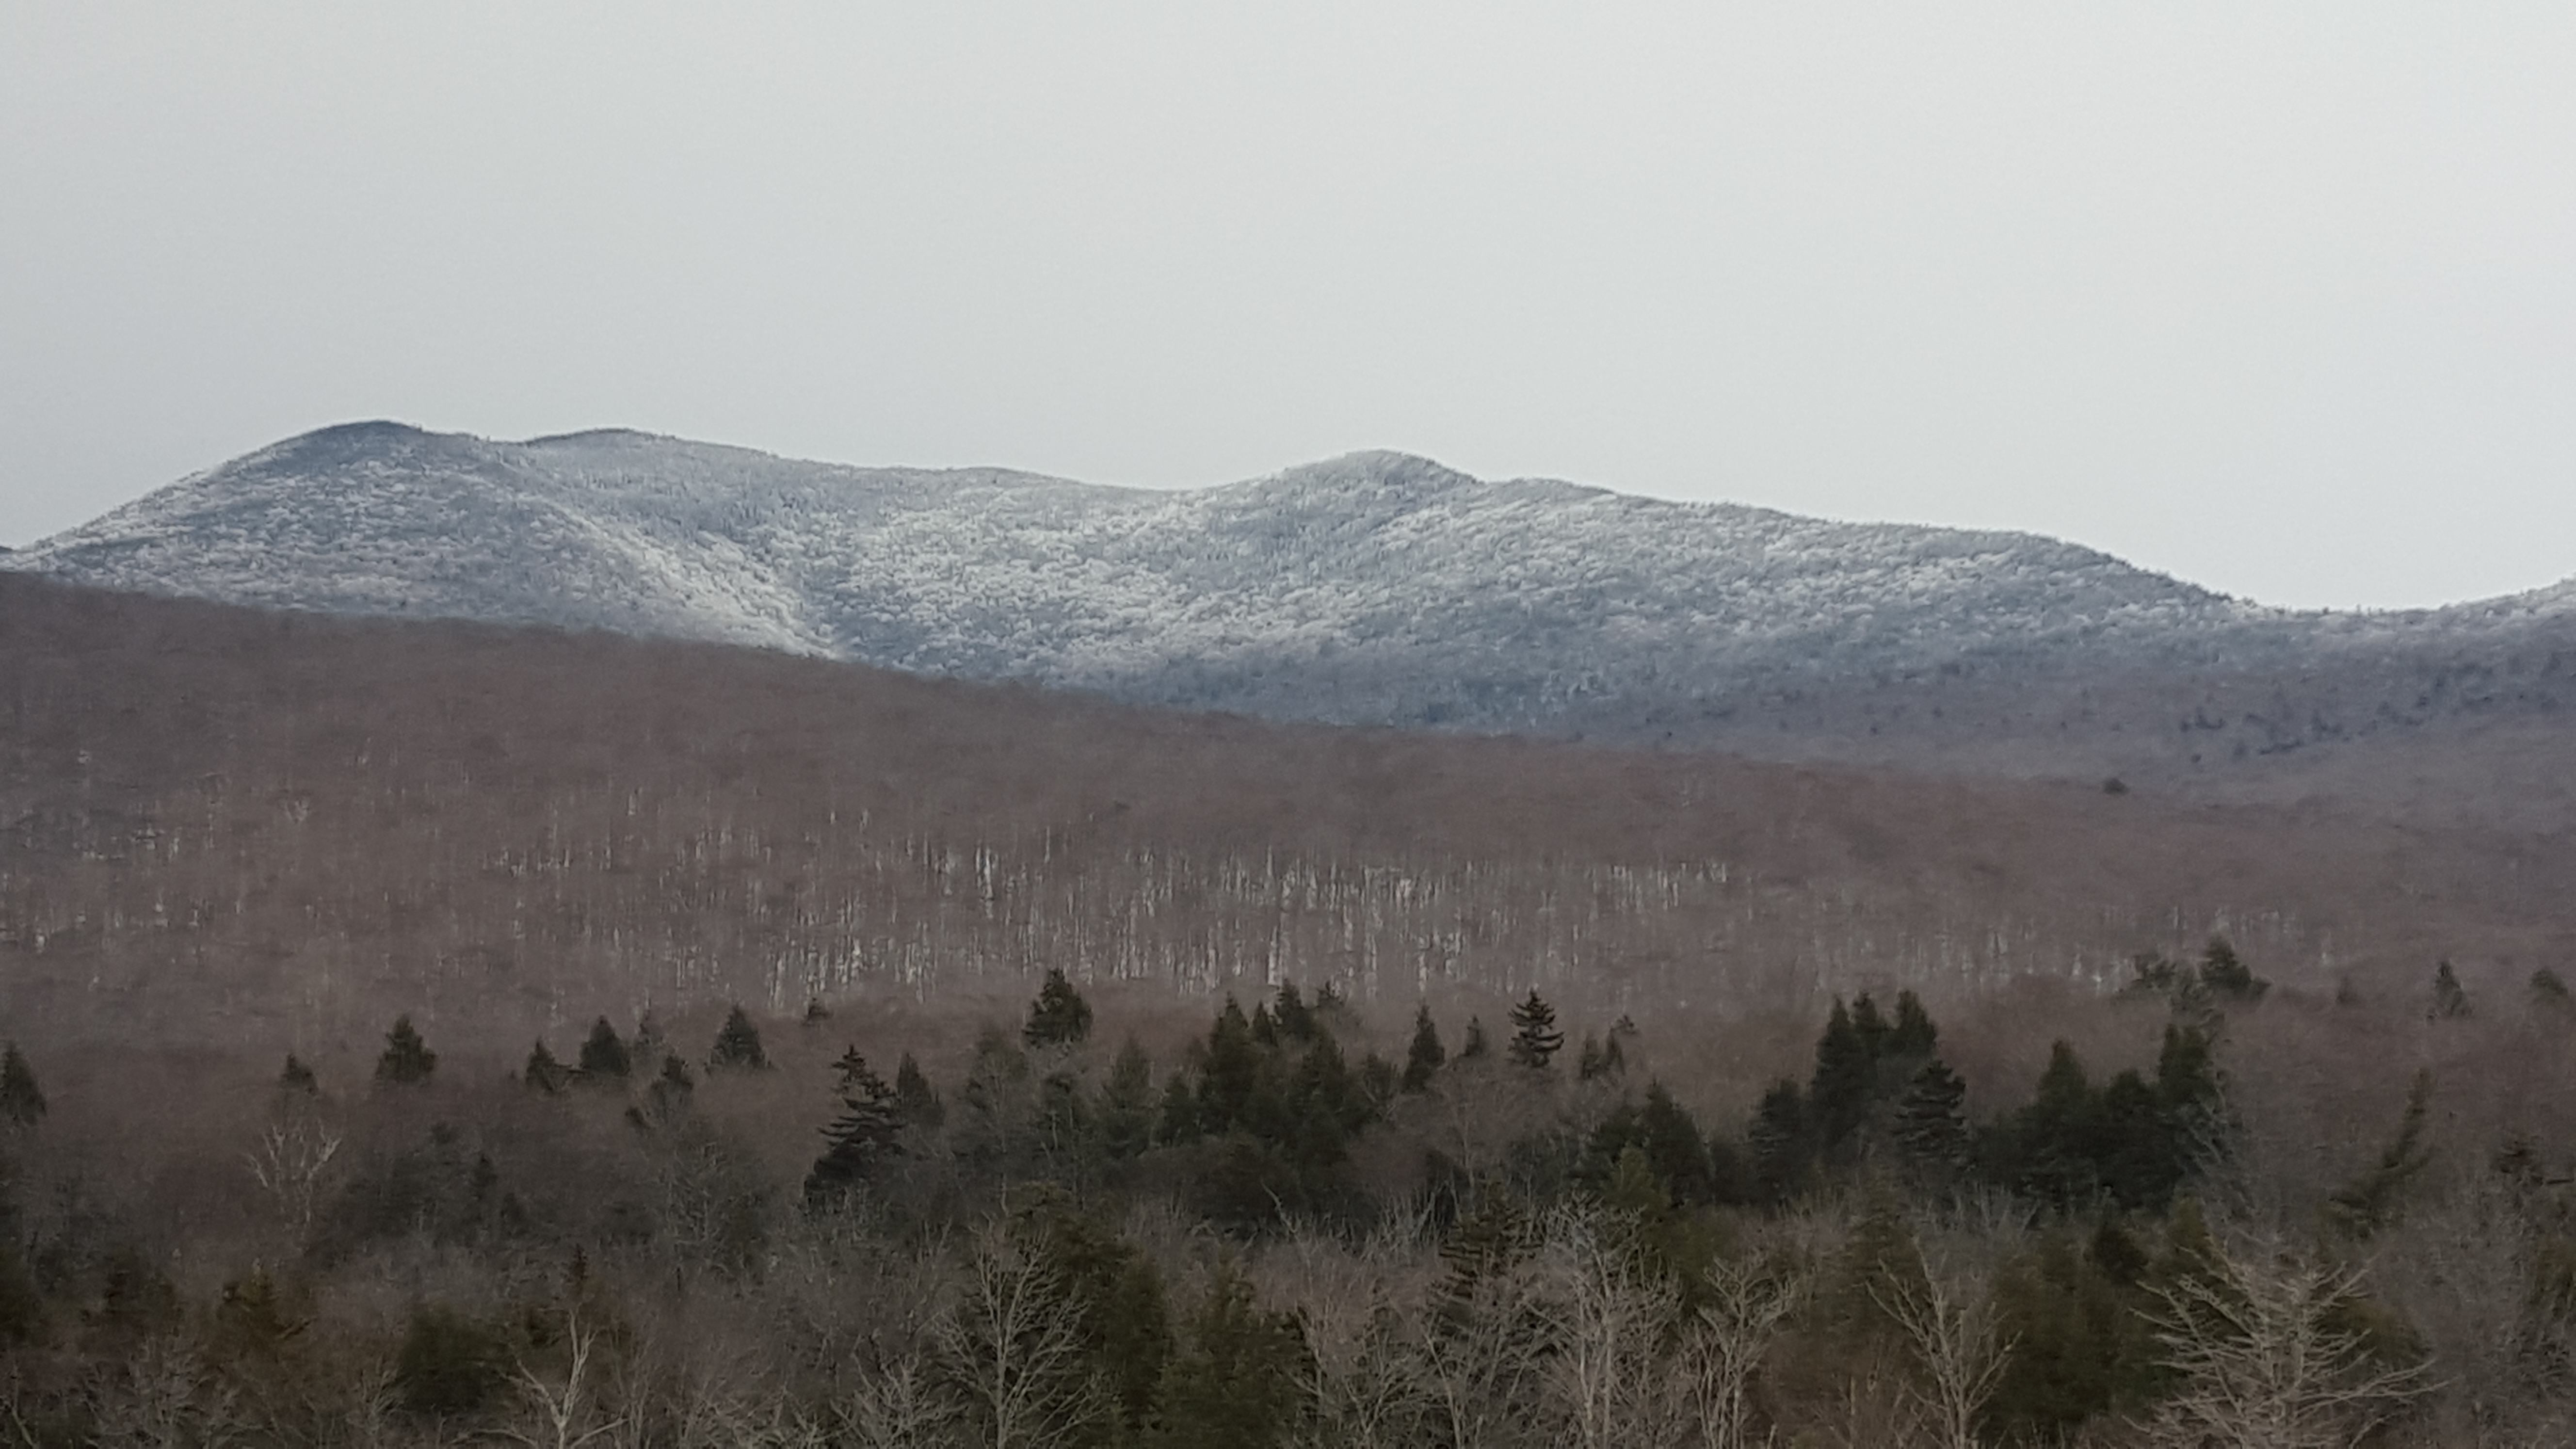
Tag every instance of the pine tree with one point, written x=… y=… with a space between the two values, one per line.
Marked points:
x=1059 y=1017
x=2450 y=999
x=869 y=1129
x=1475 y=1045
x=21 y=1100
x=669 y=1094
x=297 y=1078
x=1913 y=1036
x=1870 y=1025
x=1931 y=1118
x=603 y=1056
x=407 y=1060
x=1237 y=1384
x=543 y=1073
x=1425 y=1056
x=816 y=1013
x=2369 y=1202
x=1781 y=1143
x=1589 y=1060
x=1127 y=1103
x=1674 y=1148
x=2225 y=976
x=1178 y=1121
x=2549 y=990
x=1534 y=1034
x=737 y=1045
x=1288 y=1009
x=1846 y=1077
x=915 y=1100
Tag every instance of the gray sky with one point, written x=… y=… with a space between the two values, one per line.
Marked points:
x=2280 y=297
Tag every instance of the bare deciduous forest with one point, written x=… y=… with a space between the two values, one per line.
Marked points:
x=426 y=1033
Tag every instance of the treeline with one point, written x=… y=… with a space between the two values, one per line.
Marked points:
x=1301 y=1225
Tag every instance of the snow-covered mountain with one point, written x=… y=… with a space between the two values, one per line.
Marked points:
x=1374 y=588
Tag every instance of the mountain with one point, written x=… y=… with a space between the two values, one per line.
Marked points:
x=1372 y=589
x=222 y=827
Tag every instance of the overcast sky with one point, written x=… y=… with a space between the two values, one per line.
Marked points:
x=2280 y=298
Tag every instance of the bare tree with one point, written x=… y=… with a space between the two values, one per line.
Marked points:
x=562 y=1412
x=1723 y=1350
x=1956 y=1343
x=1013 y=1346
x=289 y=1164
x=895 y=1407
x=1607 y=1373
x=2263 y=1365
x=1481 y=1357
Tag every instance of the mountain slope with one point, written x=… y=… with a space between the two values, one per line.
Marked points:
x=1376 y=588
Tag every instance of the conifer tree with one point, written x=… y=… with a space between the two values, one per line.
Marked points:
x=1931 y=1118
x=1288 y=1010
x=1913 y=1036
x=670 y=1093
x=603 y=1056
x=543 y=1073
x=1178 y=1121
x=816 y=1013
x=1846 y=1077
x=2450 y=999
x=2225 y=976
x=1870 y=1025
x=296 y=1077
x=1781 y=1142
x=1474 y=1045
x=22 y=1102
x=915 y=1100
x=1589 y=1060
x=1230 y=1080
x=406 y=1060
x=1127 y=1102
x=1237 y=1383
x=2549 y=990
x=1674 y=1148
x=869 y=1129
x=1534 y=1034
x=2369 y=1202
x=1424 y=1056
x=737 y=1044
x=1059 y=1017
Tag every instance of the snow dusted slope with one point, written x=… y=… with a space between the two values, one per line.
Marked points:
x=1372 y=588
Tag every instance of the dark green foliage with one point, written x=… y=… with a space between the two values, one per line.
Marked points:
x=22 y=1306
x=1667 y=1142
x=1117 y=1298
x=2450 y=999
x=1599 y=1060
x=737 y=1045
x=1230 y=1094
x=1177 y=1122
x=603 y=1054
x=2369 y=1202
x=915 y=1100
x=667 y=1097
x=449 y=1363
x=1845 y=1080
x=1059 y=1016
x=816 y=1013
x=1931 y=1126
x=1289 y=1012
x=2082 y=1343
x=2127 y=1141
x=1474 y=1046
x=1424 y=1056
x=1913 y=1035
x=296 y=1077
x=1781 y=1143
x=869 y=1129
x=21 y=1100
x=1237 y=1383
x=1534 y=1035
x=543 y=1073
x=406 y=1060
x=253 y=1318
x=1127 y=1103
x=2225 y=977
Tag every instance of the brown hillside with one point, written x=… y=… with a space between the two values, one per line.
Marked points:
x=255 y=828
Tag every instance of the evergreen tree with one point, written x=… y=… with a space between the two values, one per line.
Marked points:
x=603 y=1055
x=869 y=1129
x=1590 y=1062
x=1781 y=1143
x=1425 y=1056
x=1474 y=1046
x=1178 y=1121
x=1059 y=1017
x=406 y=1060
x=2450 y=999
x=2549 y=990
x=1289 y=1012
x=816 y=1013
x=543 y=1073
x=1230 y=1086
x=297 y=1078
x=2369 y=1202
x=1237 y=1385
x=1838 y=1097
x=2224 y=976
x=21 y=1101
x=1931 y=1118
x=1870 y=1025
x=1534 y=1034
x=1913 y=1036
x=737 y=1045
x=1127 y=1103
x=915 y=1100
x=1673 y=1147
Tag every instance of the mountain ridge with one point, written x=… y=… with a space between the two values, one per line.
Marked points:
x=1375 y=588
